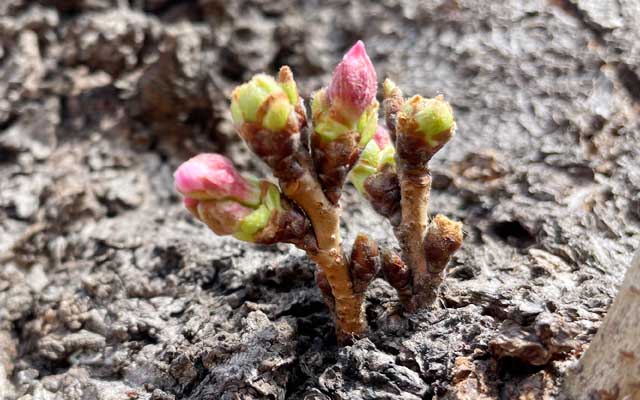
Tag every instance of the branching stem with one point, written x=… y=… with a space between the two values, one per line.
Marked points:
x=325 y=218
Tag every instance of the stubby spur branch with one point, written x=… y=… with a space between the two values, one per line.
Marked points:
x=400 y=191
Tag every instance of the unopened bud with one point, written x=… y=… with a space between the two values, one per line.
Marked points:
x=395 y=270
x=398 y=274
x=428 y=119
x=228 y=203
x=213 y=177
x=263 y=101
x=378 y=153
x=345 y=117
x=354 y=81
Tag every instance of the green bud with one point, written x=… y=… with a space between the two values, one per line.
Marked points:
x=292 y=92
x=435 y=117
x=247 y=98
x=253 y=223
x=431 y=119
x=371 y=161
x=368 y=124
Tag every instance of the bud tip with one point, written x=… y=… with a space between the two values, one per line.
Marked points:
x=354 y=80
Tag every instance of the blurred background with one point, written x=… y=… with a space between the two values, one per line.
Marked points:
x=109 y=289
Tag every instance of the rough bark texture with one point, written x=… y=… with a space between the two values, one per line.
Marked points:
x=611 y=366
x=110 y=290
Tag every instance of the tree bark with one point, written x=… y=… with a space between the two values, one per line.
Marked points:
x=610 y=368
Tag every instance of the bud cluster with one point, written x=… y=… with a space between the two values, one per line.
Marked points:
x=312 y=160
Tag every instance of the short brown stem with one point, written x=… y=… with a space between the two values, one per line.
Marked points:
x=325 y=218
x=415 y=189
x=325 y=290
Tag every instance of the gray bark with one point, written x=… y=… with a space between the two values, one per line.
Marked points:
x=610 y=368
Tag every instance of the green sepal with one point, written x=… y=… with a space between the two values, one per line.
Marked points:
x=330 y=129
x=359 y=175
x=277 y=115
x=250 y=98
x=267 y=83
x=292 y=92
x=387 y=157
x=368 y=124
x=254 y=200
x=253 y=223
x=319 y=103
x=272 y=198
x=389 y=88
x=247 y=98
x=370 y=154
x=236 y=112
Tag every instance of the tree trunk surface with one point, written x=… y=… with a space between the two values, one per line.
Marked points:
x=610 y=368
x=110 y=290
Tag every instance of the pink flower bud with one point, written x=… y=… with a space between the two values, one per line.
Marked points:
x=381 y=137
x=213 y=177
x=354 y=81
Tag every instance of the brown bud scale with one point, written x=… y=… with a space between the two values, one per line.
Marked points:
x=443 y=238
x=383 y=191
x=333 y=161
x=364 y=262
x=398 y=274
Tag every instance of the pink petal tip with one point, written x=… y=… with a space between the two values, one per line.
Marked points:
x=382 y=137
x=211 y=176
x=354 y=81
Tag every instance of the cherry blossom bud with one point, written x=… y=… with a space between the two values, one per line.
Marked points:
x=264 y=101
x=354 y=81
x=378 y=154
x=423 y=126
x=429 y=119
x=213 y=177
x=345 y=117
x=227 y=202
